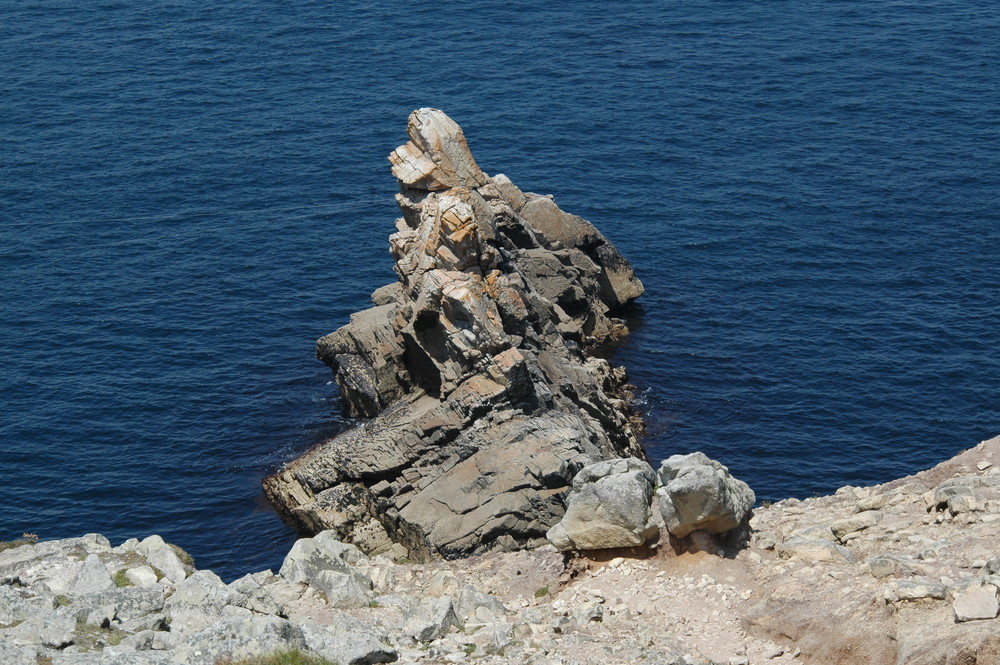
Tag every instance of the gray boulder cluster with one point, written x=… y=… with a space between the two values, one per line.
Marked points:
x=81 y=601
x=473 y=368
x=622 y=503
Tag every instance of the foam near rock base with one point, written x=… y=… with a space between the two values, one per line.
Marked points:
x=472 y=367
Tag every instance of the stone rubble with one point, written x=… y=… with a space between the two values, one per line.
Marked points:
x=914 y=590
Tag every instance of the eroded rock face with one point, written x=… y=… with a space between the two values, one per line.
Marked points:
x=472 y=367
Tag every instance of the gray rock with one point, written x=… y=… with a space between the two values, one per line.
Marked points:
x=140 y=641
x=112 y=657
x=92 y=578
x=492 y=638
x=980 y=603
x=237 y=639
x=129 y=603
x=814 y=550
x=430 y=619
x=51 y=630
x=344 y=590
x=852 y=524
x=12 y=654
x=310 y=556
x=483 y=404
x=918 y=590
x=13 y=606
x=102 y=616
x=607 y=507
x=248 y=592
x=699 y=493
x=162 y=557
x=141 y=576
x=347 y=641
x=883 y=565
x=471 y=599
x=197 y=603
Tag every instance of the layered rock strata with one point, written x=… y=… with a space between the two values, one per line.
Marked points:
x=472 y=368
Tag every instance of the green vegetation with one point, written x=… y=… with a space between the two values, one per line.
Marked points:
x=60 y=601
x=185 y=558
x=43 y=660
x=11 y=544
x=469 y=649
x=540 y=592
x=89 y=637
x=121 y=580
x=290 y=657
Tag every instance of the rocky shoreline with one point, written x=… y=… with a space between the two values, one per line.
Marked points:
x=497 y=506
x=901 y=573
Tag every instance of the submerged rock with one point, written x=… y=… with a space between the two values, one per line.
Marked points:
x=472 y=367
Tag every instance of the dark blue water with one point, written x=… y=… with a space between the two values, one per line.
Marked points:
x=191 y=193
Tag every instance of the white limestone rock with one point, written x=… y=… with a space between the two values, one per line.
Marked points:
x=141 y=576
x=92 y=578
x=699 y=493
x=430 y=619
x=608 y=506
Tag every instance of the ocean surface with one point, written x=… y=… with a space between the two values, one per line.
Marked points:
x=191 y=193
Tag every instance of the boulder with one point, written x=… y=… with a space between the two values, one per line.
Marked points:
x=248 y=592
x=235 y=639
x=430 y=619
x=344 y=590
x=162 y=557
x=473 y=368
x=347 y=641
x=609 y=506
x=310 y=556
x=141 y=576
x=92 y=578
x=699 y=493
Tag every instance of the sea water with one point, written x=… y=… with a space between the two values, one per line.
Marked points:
x=191 y=193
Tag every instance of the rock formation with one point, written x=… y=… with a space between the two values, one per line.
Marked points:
x=473 y=368
x=612 y=505
x=697 y=493
x=886 y=575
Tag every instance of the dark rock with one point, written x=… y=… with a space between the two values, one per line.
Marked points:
x=483 y=403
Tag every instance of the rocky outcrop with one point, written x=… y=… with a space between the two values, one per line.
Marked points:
x=472 y=368
x=905 y=572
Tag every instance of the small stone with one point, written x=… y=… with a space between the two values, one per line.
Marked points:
x=976 y=604
x=919 y=590
x=982 y=466
x=141 y=576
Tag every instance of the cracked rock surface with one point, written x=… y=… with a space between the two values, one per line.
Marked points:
x=473 y=368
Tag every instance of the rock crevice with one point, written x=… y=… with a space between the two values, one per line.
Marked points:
x=472 y=368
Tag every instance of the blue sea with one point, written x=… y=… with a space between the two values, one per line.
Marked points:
x=191 y=193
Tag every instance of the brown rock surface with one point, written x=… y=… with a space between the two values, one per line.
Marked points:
x=472 y=368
